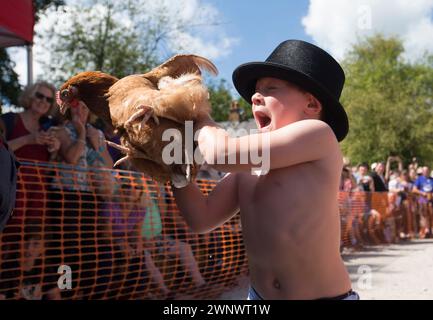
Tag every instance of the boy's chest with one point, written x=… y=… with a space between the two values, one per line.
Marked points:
x=287 y=191
x=291 y=185
x=282 y=205
x=303 y=176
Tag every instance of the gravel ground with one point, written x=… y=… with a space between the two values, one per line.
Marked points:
x=388 y=272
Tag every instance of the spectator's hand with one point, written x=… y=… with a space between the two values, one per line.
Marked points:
x=40 y=137
x=94 y=137
x=53 y=131
x=53 y=145
x=132 y=252
x=78 y=125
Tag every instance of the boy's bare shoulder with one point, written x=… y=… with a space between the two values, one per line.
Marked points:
x=303 y=141
x=314 y=125
x=321 y=134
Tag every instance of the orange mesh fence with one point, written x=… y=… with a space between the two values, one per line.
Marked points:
x=118 y=232
x=80 y=233
x=382 y=217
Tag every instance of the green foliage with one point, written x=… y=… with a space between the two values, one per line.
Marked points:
x=39 y=6
x=246 y=110
x=95 y=38
x=10 y=87
x=388 y=101
x=116 y=37
x=221 y=100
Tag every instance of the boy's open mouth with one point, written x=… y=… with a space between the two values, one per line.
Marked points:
x=262 y=119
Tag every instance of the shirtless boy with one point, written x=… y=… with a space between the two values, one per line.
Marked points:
x=290 y=218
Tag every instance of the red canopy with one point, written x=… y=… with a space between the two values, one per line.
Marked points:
x=16 y=22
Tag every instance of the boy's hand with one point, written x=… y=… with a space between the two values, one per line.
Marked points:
x=213 y=142
x=204 y=120
x=179 y=181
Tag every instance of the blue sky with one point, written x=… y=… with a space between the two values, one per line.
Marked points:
x=260 y=26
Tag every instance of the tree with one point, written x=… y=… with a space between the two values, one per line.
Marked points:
x=40 y=6
x=388 y=101
x=116 y=37
x=246 y=110
x=91 y=38
x=221 y=99
x=10 y=87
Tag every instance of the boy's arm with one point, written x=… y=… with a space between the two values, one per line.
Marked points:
x=205 y=213
x=299 y=142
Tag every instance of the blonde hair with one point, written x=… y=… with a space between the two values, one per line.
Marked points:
x=26 y=97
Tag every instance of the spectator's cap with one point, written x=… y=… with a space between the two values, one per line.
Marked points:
x=307 y=66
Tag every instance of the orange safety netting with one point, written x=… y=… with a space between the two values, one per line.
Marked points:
x=121 y=236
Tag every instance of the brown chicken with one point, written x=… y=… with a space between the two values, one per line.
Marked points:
x=142 y=107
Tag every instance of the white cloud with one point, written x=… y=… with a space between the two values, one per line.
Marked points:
x=207 y=38
x=336 y=24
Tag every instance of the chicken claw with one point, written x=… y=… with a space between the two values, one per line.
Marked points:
x=143 y=111
x=130 y=152
x=189 y=160
x=182 y=180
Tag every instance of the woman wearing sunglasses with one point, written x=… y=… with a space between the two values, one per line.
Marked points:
x=23 y=131
x=30 y=139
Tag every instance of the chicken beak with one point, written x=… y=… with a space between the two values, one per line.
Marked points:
x=63 y=106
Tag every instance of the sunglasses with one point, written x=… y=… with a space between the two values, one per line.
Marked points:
x=41 y=96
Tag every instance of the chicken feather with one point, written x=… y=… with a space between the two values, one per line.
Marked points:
x=141 y=107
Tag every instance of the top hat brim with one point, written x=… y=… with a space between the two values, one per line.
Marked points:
x=246 y=75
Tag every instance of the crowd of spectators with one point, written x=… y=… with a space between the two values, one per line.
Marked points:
x=385 y=202
x=77 y=215
x=110 y=231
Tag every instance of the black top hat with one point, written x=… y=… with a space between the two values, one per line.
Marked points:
x=306 y=65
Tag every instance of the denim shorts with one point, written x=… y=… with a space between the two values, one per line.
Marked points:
x=350 y=295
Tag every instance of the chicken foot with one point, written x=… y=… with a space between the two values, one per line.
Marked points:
x=143 y=111
x=130 y=152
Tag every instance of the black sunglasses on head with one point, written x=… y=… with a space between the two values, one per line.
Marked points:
x=41 y=96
